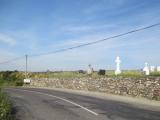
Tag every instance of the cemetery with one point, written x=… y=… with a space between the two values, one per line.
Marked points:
x=136 y=83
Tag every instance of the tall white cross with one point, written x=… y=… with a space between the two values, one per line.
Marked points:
x=118 y=61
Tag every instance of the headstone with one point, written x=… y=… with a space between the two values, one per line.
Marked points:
x=146 y=69
x=90 y=69
x=158 y=68
x=152 y=68
x=101 y=72
x=81 y=71
x=118 y=61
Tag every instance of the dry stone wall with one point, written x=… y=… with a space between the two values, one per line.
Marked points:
x=147 y=87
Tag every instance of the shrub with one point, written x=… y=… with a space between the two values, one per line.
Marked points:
x=11 y=78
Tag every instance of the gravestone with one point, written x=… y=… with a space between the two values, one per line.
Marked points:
x=146 y=69
x=81 y=71
x=152 y=68
x=118 y=61
x=101 y=72
x=90 y=69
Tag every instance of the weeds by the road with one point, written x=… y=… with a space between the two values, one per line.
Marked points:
x=5 y=107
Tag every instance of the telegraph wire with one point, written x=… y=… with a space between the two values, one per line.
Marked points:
x=85 y=44
x=95 y=42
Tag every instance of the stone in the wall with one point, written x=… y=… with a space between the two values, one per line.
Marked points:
x=156 y=94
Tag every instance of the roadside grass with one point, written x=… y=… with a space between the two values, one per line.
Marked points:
x=5 y=107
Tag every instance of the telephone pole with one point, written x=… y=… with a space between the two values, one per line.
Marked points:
x=26 y=72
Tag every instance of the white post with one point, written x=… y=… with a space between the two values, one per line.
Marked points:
x=26 y=80
x=26 y=67
x=118 y=61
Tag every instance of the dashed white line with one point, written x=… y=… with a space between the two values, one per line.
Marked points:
x=71 y=102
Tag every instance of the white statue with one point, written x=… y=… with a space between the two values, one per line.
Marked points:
x=90 y=69
x=146 y=69
x=152 y=68
x=118 y=61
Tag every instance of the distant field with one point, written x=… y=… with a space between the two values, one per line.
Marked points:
x=72 y=74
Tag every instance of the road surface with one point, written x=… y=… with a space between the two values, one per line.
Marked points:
x=43 y=104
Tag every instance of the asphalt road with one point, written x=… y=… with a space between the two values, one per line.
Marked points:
x=43 y=104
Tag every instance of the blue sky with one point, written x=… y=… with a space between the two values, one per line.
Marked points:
x=37 y=26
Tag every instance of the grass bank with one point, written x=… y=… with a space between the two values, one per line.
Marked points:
x=5 y=107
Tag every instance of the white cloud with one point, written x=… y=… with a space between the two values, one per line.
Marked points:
x=4 y=38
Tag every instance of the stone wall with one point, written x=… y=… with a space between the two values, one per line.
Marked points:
x=147 y=87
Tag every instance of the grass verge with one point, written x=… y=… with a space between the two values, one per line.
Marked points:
x=5 y=107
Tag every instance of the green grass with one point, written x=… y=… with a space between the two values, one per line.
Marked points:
x=155 y=74
x=125 y=73
x=57 y=75
x=109 y=73
x=5 y=107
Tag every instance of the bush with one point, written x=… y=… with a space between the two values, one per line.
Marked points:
x=5 y=107
x=11 y=78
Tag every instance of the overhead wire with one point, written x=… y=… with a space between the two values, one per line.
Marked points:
x=82 y=45
x=95 y=42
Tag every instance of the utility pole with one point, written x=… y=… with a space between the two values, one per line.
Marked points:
x=26 y=72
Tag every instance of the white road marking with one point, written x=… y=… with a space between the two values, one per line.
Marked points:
x=73 y=103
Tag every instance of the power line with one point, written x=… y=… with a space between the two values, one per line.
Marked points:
x=95 y=42
x=82 y=45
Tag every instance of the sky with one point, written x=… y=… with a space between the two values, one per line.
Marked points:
x=41 y=26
